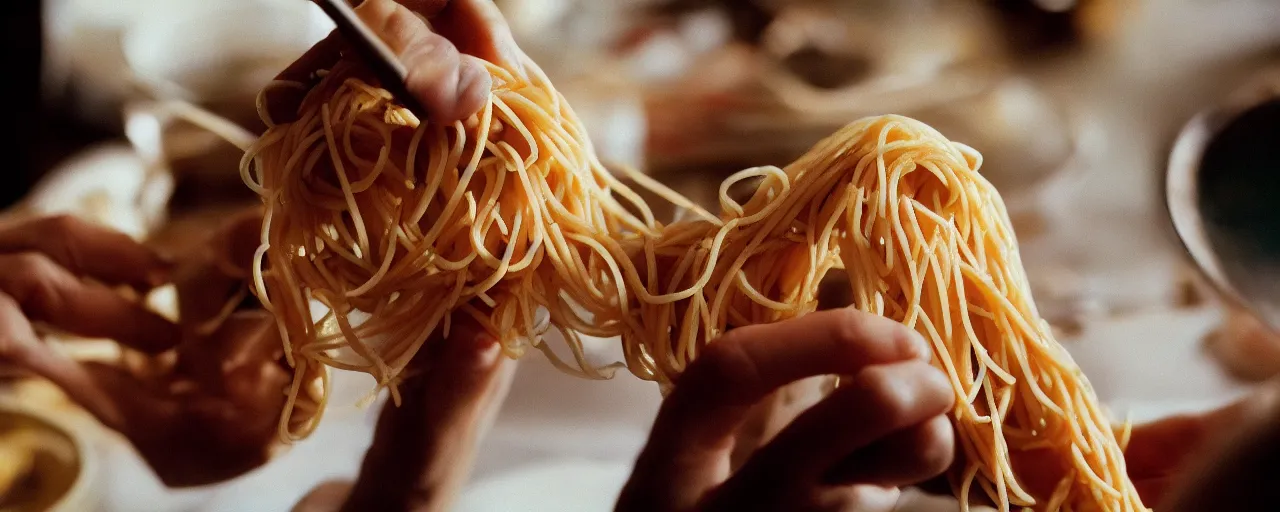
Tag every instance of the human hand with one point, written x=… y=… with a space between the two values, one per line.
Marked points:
x=885 y=426
x=442 y=59
x=202 y=410
x=1222 y=460
x=422 y=450
x=1161 y=457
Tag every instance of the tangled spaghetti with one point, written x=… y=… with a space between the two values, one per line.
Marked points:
x=393 y=224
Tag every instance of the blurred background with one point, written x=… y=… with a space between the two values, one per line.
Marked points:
x=1074 y=103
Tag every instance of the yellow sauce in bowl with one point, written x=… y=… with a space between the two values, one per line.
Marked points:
x=40 y=463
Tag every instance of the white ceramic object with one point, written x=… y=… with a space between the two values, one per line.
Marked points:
x=83 y=496
x=219 y=51
x=110 y=185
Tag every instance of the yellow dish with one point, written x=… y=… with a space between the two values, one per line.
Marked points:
x=42 y=464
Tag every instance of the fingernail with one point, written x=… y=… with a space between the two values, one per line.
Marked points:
x=471 y=347
x=488 y=356
x=474 y=84
x=920 y=346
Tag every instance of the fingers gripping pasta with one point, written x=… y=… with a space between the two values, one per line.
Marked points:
x=926 y=241
x=394 y=224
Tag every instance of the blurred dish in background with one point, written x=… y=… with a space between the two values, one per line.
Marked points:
x=98 y=52
x=109 y=185
x=103 y=56
x=1033 y=27
x=817 y=68
x=44 y=465
x=1025 y=136
x=818 y=65
x=829 y=59
x=1221 y=185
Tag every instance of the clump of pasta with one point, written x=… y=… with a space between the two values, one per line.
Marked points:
x=380 y=227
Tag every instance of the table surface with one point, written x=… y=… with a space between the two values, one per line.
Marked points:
x=567 y=445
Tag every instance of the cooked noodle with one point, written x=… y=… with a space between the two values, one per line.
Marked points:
x=394 y=224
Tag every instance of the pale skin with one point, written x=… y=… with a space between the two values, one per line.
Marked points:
x=207 y=407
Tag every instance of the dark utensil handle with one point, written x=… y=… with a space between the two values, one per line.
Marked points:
x=373 y=52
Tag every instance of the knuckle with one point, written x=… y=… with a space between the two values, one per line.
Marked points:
x=861 y=497
x=425 y=48
x=433 y=74
x=726 y=364
x=425 y=7
x=32 y=266
x=851 y=327
x=60 y=224
x=36 y=282
x=400 y=24
x=885 y=395
x=10 y=344
x=60 y=232
x=937 y=387
x=935 y=448
x=892 y=399
x=858 y=333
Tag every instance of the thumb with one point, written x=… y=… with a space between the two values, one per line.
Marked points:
x=451 y=85
x=423 y=449
x=461 y=364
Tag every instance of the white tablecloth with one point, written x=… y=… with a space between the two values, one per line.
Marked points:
x=566 y=445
